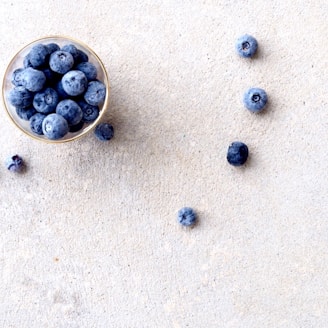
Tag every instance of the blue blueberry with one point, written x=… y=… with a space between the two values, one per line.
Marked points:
x=74 y=83
x=52 y=47
x=14 y=163
x=33 y=79
x=96 y=93
x=17 y=77
x=255 y=99
x=46 y=101
x=26 y=62
x=90 y=113
x=88 y=69
x=76 y=127
x=246 y=46
x=51 y=76
x=237 y=153
x=20 y=97
x=72 y=50
x=60 y=90
x=25 y=113
x=54 y=126
x=38 y=55
x=70 y=110
x=104 y=131
x=82 y=57
x=61 y=61
x=36 y=123
x=187 y=216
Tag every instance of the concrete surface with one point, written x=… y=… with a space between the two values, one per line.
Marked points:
x=89 y=235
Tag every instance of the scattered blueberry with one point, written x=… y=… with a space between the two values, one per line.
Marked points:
x=52 y=47
x=88 y=69
x=186 y=216
x=70 y=110
x=20 y=97
x=54 y=126
x=25 y=113
x=74 y=82
x=96 y=93
x=61 y=61
x=246 y=46
x=38 y=55
x=90 y=113
x=237 y=153
x=36 y=123
x=17 y=77
x=255 y=99
x=33 y=79
x=14 y=163
x=104 y=131
x=46 y=101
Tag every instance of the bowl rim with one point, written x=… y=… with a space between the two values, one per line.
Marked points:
x=91 y=126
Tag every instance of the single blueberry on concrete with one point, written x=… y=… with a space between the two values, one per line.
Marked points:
x=38 y=55
x=36 y=123
x=187 y=216
x=88 y=69
x=17 y=77
x=61 y=61
x=25 y=113
x=96 y=93
x=237 y=153
x=104 y=131
x=255 y=99
x=20 y=97
x=46 y=101
x=90 y=113
x=14 y=163
x=70 y=110
x=74 y=82
x=33 y=79
x=54 y=126
x=246 y=46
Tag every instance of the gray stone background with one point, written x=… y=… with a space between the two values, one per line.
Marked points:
x=89 y=236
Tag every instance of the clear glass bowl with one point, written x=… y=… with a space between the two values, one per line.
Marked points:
x=17 y=62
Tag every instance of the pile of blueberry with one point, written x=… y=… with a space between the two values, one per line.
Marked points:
x=57 y=90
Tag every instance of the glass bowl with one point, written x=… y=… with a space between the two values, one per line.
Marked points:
x=17 y=62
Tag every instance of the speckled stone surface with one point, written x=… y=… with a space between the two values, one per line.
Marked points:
x=89 y=236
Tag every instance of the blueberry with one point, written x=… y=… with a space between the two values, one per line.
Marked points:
x=186 y=216
x=82 y=57
x=38 y=55
x=36 y=123
x=46 y=101
x=70 y=110
x=96 y=93
x=26 y=62
x=90 y=113
x=33 y=79
x=25 y=113
x=60 y=90
x=54 y=126
x=237 y=153
x=88 y=69
x=20 y=97
x=74 y=82
x=104 y=131
x=14 y=163
x=246 y=46
x=17 y=77
x=255 y=99
x=76 y=127
x=51 y=76
x=61 y=61
x=52 y=47
x=72 y=50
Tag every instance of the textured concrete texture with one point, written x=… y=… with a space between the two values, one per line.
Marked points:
x=89 y=236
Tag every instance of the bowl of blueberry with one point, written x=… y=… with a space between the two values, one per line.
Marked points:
x=56 y=89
